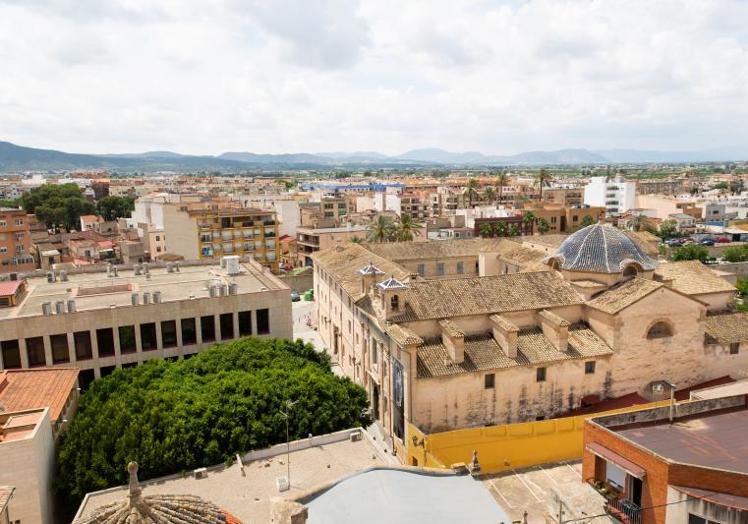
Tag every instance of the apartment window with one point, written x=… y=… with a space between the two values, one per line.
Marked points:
x=698 y=519
x=158 y=238
x=489 y=381
x=374 y=353
x=83 y=348
x=105 y=342
x=60 y=352
x=421 y=270
x=227 y=326
x=35 y=351
x=460 y=268
x=107 y=370
x=127 y=342
x=19 y=221
x=575 y=218
x=189 y=332
x=169 y=333
x=208 y=328
x=148 y=336
x=734 y=348
x=11 y=354
x=245 y=323
x=540 y=375
x=440 y=268
x=3 y=223
x=589 y=367
x=263 y=321
x=3 y=249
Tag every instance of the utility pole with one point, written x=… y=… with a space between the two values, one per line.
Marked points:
x=286 y=414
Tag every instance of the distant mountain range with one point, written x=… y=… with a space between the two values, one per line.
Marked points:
x=19 y=158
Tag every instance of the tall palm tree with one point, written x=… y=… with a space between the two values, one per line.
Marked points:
x=502 y=180
x=471 y=190
x=381 y=229
x=543 y=226
x=488 y=194
x=543 y=178
x=528 y=220
x=407 y=228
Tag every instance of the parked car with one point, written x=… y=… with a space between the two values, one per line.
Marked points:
x=723 y=240
x=295 y=297
x=674 y=242
x=707 y=242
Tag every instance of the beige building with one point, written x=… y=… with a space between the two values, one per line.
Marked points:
x=309 y=240
x=207 y=231
x=533 y=335
x=99 y=321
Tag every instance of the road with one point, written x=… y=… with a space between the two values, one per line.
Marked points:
x=300 y=310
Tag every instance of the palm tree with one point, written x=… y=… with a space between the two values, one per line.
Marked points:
x=543 y=226
x=502 y=180
x=407 y=228
x=543 y=178
x=486 y=230
x=528 y=220
x=381 y=229
x=471 y=190
x=488 y=194
x=639 y=222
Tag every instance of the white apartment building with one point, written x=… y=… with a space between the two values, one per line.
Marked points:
x=615 y=195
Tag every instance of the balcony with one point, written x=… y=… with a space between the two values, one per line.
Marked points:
x=624 y=511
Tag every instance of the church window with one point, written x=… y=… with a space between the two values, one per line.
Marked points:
x=659 y=330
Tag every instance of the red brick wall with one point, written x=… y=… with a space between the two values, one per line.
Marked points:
x=722 y=481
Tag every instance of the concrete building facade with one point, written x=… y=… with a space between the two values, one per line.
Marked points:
x=615 y=195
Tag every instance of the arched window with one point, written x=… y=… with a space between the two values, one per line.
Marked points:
x=659 y=330
x=395 y=302
x=631 y=270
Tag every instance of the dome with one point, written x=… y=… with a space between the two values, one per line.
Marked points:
x=600 y=249
x=156 y=509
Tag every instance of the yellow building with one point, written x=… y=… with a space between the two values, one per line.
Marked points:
x=201 y=232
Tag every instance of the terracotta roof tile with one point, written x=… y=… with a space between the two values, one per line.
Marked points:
x=727 y=328
x=482 y=353
x=447 y=298
x=403 y=335
x=435 y=248
x=620 y=297
x=693 y=278
x=22 y=389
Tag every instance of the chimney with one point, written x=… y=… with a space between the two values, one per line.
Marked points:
x=46 y=308
x=134 y=298
x=71 y=306
x=157 y=297
x=555 y=329
x=147 y=297
x=453 y=339
x=505 y=334
x=60 y=307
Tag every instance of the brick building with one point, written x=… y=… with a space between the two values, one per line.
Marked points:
x=15 y=242
x=681 y=463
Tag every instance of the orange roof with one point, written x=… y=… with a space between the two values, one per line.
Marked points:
x=22 y=389
x=10 y=287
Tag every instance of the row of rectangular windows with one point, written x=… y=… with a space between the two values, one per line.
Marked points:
x=11 y=354
x=489 y=379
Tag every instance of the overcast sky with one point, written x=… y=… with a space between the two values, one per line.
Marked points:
x=387 y=75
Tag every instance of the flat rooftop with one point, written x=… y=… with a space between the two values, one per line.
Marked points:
x=96 y=290
x=22 y=389
x=708 y=440
x=248 y=496
x=330 y=230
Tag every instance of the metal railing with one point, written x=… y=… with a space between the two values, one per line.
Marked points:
x=624 y=511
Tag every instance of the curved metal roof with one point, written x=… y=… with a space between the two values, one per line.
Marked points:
x=601 y=249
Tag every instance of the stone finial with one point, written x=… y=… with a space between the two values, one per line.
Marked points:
x=134 y=495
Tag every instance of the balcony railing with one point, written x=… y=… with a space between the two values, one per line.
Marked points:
x=624 y=511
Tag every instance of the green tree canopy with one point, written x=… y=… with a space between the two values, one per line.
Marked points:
x=735 y=254
x=57 y=205
x=668 y=229
x=114 y=207
x=175 y=416
x=587 y=220
x=691 y=252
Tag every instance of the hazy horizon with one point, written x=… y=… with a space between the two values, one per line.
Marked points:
x=320 y=76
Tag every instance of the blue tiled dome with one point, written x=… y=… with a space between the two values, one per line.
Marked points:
x=600 y=249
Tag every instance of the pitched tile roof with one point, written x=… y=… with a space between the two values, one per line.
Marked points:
x=527 y=258
x=727 y=328
x=10 y=287
x=447 y=298
x=403 y=335
x=622 y=296
x=22 y=389
x=435 y=248
x=482 y=353
x=6 y=492
x=344 y=266
x=693 y=278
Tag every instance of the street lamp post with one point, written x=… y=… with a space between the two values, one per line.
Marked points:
x=286 y=414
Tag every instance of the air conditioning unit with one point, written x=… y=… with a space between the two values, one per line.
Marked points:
x=282 y=484
x=201 y=473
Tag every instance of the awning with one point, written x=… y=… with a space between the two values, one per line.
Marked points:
x=721 y=499
x=620 y=461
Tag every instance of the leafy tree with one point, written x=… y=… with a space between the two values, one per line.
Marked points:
x=691 y=252
x=668 y=229
x=722 y=186
x=114 y=207
x=587 y=220
x=407 y=228
x=486 y=230
x=356 y=239
x=177 y=416
x=12 y=203
x=514 y=230
x=543 y=226
x=639 y=222
x=381 y=230
x=501 y=229
x=543 y=179
x=735 y=254
x=57 y=206
x=471 y=190
x=742 y=286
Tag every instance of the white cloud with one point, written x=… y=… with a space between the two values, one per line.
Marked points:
x=272 y=76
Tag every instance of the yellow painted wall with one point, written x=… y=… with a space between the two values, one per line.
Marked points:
x=506 y=446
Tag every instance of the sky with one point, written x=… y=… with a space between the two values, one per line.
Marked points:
x=500 y=77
